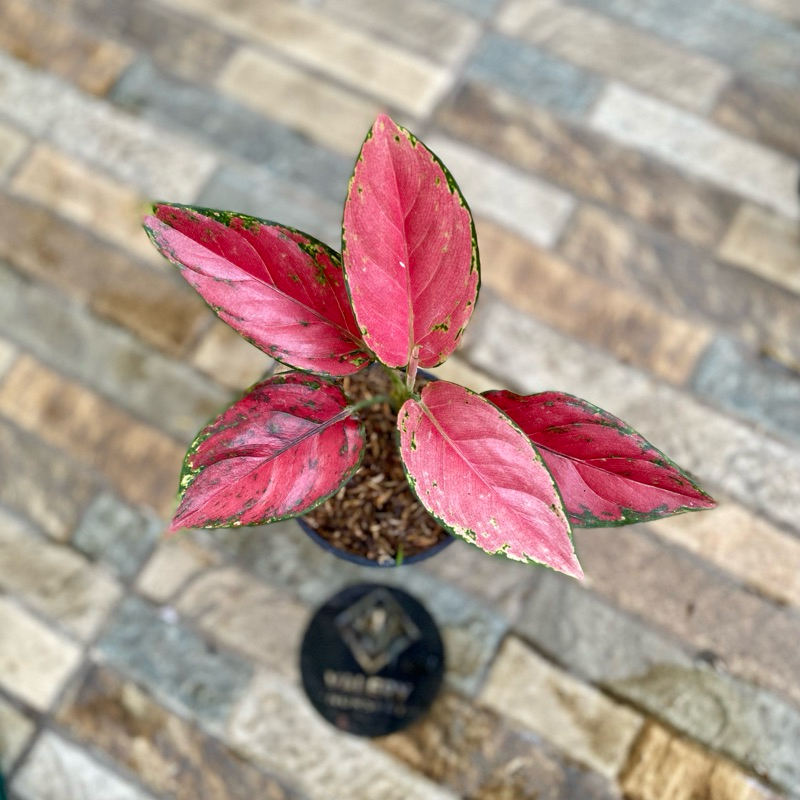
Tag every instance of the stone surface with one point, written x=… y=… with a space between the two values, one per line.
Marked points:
x=397 y=77
x=141 y=462
x=230 y=359
x=587 y=164
x=54 y=580
x=728 y=31
x=240 y=131
x=698 y=147
x=481 y=757
x=166 y=754
x=298 y=100
x=787 y=9
x=644 y=261
x=509 y=63
x=764 y=244
x=16 y=731
x=42 y=483
x=12 y=146
x=722 y=452
x=59 y=332
x=431 y=29
x=743 y=544
x=47 y=42
x=765 y=392
x=156 y=162
x=274 y=725
x=117 y=534
x=86 y=197
x=259 y=621
x=523 y=204
x=597 y=42
x=158 y=307
x=171 y=660
x=35 y=662
x=174 y=562
x=633 y=329
x=58 y=770
x=667 y=768
x=575 y=718
x=761 y=112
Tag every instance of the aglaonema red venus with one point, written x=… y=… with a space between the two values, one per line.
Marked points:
x=510 y=474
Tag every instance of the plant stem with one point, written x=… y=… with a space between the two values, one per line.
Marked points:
x=366 y=403
x=398 y=393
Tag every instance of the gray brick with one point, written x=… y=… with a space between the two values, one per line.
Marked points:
x=117 y=534
x=761 y=391
x=232 y=127
x=742 y=37
x=621 y=654
x=174 y=661
x=170 y=395
x=482 y=9
x=722 y=452
x=262 y=194
x=534 y=75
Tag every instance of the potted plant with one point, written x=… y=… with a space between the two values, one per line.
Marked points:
x=510 y=474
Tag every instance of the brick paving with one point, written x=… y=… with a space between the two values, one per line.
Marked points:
x=632 y=167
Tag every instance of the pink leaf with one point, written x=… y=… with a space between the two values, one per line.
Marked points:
x=478 y=474
x=286 y=446
x=409 y=249
x=607 y=473
x=281 y=289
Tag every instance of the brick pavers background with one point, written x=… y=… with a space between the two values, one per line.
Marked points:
x=632 y=167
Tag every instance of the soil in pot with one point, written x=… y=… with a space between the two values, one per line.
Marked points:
x=375 y=515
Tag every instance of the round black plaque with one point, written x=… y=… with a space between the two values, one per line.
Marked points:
x=372 y=660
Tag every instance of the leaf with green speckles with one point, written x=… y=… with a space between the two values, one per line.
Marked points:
x=281 y=289
x=479 y=475
x=607 y=473
x=409 y=249
x=282 y=449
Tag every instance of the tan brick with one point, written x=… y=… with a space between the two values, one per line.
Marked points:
x=395 y=76
x=228 y=358
x=765 y=244
x=140 y=462
x=35 y=662
x=242 y=613
x=55 y=580
x=47 y=42
x=581 y=722
x=158 y=307
x=632 y=328
x=174 y=563
x=663 y=767
x=597 y=42
x=327 y=114
x=87 y=197
x=744 y=545
x=8 y=354
x=12 y=146
x=15 y=732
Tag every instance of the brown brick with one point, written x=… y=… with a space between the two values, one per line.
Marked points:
x=588 y=164
x=765 y=113
x=43 y=484
x=685 y=281
x=164 y=752
x=142 y=464
x=633 y=329
x=753 y=638
x=42 y=40
x=159 y=308
x=663 y=767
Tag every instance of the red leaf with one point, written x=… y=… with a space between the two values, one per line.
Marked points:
x=479 y=475
x=281 y=289
x=279 y=451
x=409 y=249
x=607 y=473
